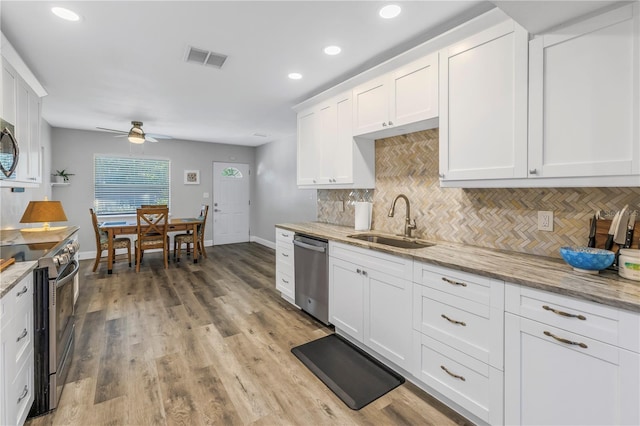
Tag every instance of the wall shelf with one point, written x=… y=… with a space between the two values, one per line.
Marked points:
x=60 y=183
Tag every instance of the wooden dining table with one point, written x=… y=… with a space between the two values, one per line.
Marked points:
x=131 y=228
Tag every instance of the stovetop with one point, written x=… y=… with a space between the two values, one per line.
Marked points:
x=26 y=246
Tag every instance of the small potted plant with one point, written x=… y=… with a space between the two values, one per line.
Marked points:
x=62 y=176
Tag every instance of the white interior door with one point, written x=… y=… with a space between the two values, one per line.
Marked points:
x=230 y=203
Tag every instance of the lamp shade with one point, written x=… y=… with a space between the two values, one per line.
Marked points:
x=44 y=211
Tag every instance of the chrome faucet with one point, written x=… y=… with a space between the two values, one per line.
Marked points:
x=409 y=224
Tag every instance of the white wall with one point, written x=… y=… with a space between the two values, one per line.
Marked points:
x=13 y=204
x=74 y=150
x=278 y=198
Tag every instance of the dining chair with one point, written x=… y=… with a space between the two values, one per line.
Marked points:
x=154 y=206
x=188 y=238
x=152 y=225
x=102 y=242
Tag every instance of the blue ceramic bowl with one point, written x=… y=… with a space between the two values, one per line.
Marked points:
x=587 y=259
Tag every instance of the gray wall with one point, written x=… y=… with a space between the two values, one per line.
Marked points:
x=13 y=204
x=74 y=150
x=277 y=197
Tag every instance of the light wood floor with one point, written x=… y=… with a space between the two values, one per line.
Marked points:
x=206 y=344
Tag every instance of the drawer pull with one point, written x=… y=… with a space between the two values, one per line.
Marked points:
x=285 y=254
x=445 y=279
x=564 y=314
x=462 y=323
x=568 y=342
x=451 y=374
x=22 y=335
x=284 y=235
x=24 y=394
x=285 y=281
x=23 y=291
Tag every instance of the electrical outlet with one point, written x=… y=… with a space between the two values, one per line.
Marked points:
x=545 y=221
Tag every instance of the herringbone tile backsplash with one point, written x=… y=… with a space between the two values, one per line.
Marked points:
x=493 y=218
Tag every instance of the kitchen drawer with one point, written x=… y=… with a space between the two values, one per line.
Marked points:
x=284 y=257
x=478 y=387
x=18 y=299
x=19 y=395
x=285 y=284
x=397 y=266
x=473 y=328
x=607 y=324
x=285 y=236
x=486 y=291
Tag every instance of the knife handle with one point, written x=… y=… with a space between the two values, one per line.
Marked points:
x=609 y=243
x=628 y=239
x=592 y=242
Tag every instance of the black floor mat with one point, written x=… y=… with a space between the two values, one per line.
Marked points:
x=354 y=376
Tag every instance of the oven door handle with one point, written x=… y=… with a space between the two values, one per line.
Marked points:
x=70 y=276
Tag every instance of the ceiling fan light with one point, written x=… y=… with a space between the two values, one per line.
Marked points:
x=136 y=135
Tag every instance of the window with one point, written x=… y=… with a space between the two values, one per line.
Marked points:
x=122 y=184
x=232 y=172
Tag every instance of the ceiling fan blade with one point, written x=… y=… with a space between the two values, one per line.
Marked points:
x=150 y=139
x=158 y=136
x=112 y=130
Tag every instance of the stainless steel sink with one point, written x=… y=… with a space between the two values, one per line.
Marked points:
x=388 y=240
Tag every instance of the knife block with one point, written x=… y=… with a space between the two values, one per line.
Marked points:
x=602 y=229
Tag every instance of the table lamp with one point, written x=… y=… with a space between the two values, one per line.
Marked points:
x=43 y=212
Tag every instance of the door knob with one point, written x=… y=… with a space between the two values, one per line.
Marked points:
x=217 y=210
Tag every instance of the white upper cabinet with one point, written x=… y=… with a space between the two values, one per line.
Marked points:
x=584 y=98
x=405 y=96
x=483 y=105
x=328 y=156
x=308 y=148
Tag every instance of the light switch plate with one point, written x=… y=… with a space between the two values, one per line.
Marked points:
x=545 y=221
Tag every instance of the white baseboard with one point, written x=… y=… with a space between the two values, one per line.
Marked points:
x=263 y=242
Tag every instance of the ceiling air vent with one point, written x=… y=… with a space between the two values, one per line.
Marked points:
x=205 y=57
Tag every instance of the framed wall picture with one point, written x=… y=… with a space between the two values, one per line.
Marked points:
x=192 y=177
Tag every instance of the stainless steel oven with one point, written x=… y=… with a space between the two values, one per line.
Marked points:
x=54 y=337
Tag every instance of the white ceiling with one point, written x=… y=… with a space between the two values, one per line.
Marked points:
x=124 y=60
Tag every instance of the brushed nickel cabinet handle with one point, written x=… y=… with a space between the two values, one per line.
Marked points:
x=358 y=271
x=445 y=279
x=462 y=323
x=451 y=374
x=533 y=171
x=22 y=335
x=441 y=175
x=24 y=394
x=384 y=124
x=568 y=342
x=564 y=314
x=364 y=272
x=390 y=123
x=23 y=291
x=285 y=254
x=285 y=281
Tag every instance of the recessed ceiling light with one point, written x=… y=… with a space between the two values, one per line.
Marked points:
x=332 y=50
x=67 y=14
x=295 y=76
x=390 y=11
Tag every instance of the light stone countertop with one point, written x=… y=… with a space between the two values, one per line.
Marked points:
x=13 y=274
x=539 y=272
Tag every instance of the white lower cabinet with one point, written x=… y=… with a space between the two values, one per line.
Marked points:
x=569 y=362
x=458 y=338
x=16 y=353
x=285 y=277
x=370 y=300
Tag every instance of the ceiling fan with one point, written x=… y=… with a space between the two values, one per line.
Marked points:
x=136 y=134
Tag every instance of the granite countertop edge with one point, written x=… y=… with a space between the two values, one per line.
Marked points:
x=544 y=273
x=13 y=274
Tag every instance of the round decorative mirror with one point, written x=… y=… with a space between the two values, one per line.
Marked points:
x=8 y=152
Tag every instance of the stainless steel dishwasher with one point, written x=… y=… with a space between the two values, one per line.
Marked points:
x=312 y=275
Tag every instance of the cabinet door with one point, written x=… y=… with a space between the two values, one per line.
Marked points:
x=387 y=311
x=8 y=93
x=326 y=138
x=483 y=105
x=371 y=106
x=583 y=98
x=308 y=152
x=22 y=131
x=340 y=155
x=414 y=92
x=551 y=382
x=346 y=296
x=35 y=166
